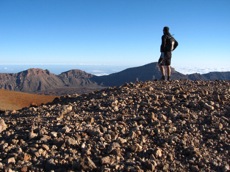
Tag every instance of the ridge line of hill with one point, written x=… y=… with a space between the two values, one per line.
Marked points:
x=41 y=81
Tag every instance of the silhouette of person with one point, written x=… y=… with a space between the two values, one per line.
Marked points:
x=166 y=55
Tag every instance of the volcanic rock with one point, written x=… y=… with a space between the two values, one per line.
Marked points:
x=179 y=125
x=3 y=125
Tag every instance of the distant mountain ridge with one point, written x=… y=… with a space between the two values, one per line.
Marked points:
x=43 y=82
x=142 y=73
x=76 y=81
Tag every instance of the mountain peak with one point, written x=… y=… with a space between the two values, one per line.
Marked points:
x=35 y=71
x=76 y=73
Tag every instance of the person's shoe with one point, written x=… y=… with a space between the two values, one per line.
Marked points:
x=169 y=78
x=163 y=78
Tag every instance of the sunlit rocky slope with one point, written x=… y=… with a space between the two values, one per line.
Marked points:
x=13 y=100
x=143 y=126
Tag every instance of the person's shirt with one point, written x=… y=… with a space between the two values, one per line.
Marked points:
x=163 y=42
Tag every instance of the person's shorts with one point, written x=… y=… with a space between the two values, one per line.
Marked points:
x=165 y=60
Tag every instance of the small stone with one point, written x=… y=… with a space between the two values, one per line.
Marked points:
x=208 y=107
x=151 y=165
x=88 y=151
x=65 y=110
x=166 y=167
x=113 y=146
x=5 y=145
x=121 y=140
x=3 y=125
x=24 y=169
x=106 y=160
x=66 y=129
x=153 y=117
x=91 y=163
x=136 y=148
x=10 y=170
x=27 y=157
x=54 y=134
x=221 y=126
x=32 y=135
x=150 y=88
x=194 y=168
x=11 y=160
x=155 y=97
x=158 y=152
x=14 y=112
x=226 y=168
x=91 y=120
x=46 y=147
x=71 y=141
x=42 y=131
x=47 y=114
x=171 y=98
x=45 y=138
x=116 y=108
x=83 y=146
x=88 y=164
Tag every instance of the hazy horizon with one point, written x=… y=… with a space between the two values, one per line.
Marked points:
x=100 y=70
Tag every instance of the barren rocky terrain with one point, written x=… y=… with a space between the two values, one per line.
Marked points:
x=43 y=82
x=144 y=126
x=13 y=100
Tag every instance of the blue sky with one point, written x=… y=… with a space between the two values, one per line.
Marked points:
x=114 y=32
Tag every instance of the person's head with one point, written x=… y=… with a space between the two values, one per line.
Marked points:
x=166 y=30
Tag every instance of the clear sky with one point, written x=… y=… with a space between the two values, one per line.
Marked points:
x=114 y=32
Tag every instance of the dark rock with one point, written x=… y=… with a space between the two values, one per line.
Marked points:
x=143 y=126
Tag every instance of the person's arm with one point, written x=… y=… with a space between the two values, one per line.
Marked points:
x=163 y=43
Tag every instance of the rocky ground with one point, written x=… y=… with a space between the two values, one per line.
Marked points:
x=144 y=126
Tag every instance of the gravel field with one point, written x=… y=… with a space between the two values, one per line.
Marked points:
x=177 y=125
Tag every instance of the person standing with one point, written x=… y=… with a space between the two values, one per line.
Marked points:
x=166 y=55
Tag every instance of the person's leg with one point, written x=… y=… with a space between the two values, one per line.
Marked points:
x=168 y=56
x=162 y=72
x=161 y=66
x=169 y=72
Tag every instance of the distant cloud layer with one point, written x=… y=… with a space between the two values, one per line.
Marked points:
x=190 y=70
x=100 y=70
